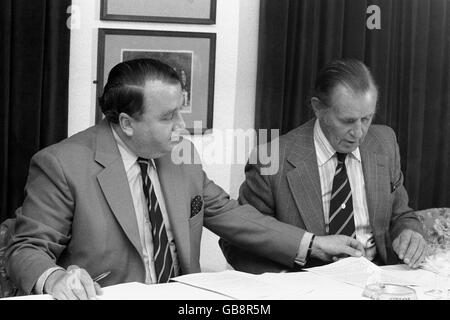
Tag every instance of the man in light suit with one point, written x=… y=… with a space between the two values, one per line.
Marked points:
x=110 y=198
x=339 y=179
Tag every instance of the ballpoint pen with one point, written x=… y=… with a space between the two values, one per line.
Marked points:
x=101 y=276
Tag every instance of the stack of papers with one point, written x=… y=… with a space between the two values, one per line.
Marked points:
x=360 y=272
x=241 y=285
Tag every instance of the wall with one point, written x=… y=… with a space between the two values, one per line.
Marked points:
x=235 y=77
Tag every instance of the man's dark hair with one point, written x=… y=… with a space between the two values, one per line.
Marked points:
x=124 y=90
x=350 y=73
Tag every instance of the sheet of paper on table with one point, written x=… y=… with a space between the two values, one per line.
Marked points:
x=360 y=272
x=167 y=291
x=141 y=291
x=241 y=285
x=31 y=297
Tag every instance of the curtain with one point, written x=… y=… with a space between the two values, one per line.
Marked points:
x=34 y=67
x=409 y=57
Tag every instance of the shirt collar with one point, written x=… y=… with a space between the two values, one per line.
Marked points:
x=324 y=150
x=129 y=158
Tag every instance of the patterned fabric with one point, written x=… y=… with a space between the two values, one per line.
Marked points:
x=164 y=266
x=436 y=224
x=196 y=205
x=341 y=203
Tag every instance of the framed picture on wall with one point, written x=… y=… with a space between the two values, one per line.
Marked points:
x=169 y=11
x=191 y=54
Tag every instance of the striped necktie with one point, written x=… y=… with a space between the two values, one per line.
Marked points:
x=341 y=219
x=164 y=266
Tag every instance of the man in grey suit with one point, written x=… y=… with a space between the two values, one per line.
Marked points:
x=112 y=198
x=339 y=179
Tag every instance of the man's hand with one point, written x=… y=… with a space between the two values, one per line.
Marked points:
x=73 y=284
x=410 y=247
x=331 y=248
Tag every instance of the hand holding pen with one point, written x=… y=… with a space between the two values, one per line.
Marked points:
x=74 y=284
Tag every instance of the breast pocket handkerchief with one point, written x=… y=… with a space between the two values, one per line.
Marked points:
x=196 y=205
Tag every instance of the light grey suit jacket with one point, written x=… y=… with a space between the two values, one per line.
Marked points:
x=293 y=194
x=78 y=210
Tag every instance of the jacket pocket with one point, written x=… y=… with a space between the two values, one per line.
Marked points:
x=196 y=221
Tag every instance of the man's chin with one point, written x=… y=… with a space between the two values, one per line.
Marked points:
x=349 y=147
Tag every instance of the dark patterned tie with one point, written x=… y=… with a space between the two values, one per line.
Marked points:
x=164 y=266
x=341 y=219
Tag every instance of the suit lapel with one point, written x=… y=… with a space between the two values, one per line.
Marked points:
x=375 y=171
x=304 y=180
x=369 y=165
x=114 y=184
x=173 y=188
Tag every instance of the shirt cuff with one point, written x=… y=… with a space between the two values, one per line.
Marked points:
x=40 y=283
x=300 y=259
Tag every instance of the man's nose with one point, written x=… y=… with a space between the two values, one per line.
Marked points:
x=357 y=130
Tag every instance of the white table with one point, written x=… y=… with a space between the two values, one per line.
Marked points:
x=321 y=288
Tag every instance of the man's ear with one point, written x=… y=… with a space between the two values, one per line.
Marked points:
x=126 y=124
x=317 y=107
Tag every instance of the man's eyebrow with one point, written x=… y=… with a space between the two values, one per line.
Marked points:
x=356 y=118
x=345 y=117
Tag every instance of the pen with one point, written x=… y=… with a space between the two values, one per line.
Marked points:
x=101 y=276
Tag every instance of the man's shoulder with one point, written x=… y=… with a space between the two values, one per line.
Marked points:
x=291 y=137
x=380 y=139
x=381 y=129
x=276 y=151
x=299 y=136
x=382 y=132
x=80 y=143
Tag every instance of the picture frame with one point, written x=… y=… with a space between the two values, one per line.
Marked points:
x=164 y=11
x=191 y=54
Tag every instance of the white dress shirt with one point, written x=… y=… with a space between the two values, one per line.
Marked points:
x=327 y=162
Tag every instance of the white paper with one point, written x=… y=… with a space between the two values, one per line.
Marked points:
x=420 y=277
x=31 y=297
x=360 y=272
x=241 y=285
x=141 y=291
x=322 y=287
x=167 y=291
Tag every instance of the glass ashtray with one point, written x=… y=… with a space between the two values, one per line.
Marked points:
x=386 y=291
